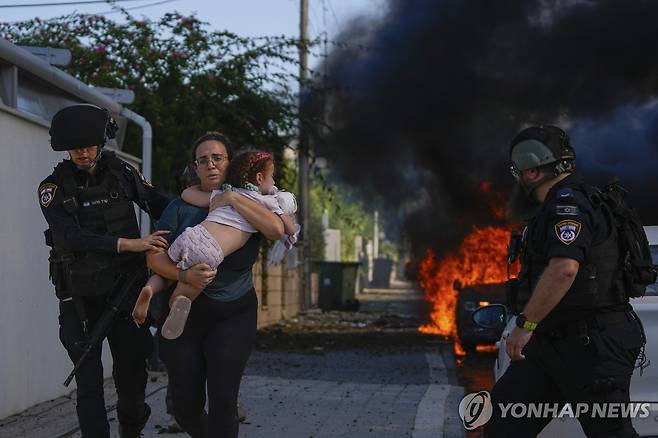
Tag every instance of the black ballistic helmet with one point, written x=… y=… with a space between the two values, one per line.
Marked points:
x=80 y=126
x=540 y=146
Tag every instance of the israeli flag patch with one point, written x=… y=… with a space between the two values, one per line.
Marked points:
x=567 y=231
x=567 y=210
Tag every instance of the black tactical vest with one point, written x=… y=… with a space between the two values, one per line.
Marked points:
x=105 y=208
x=597 y=283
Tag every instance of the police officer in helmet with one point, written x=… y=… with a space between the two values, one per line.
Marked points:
x=577 y=339
x=96 y=244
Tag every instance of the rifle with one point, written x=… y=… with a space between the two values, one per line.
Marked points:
x=103 y=325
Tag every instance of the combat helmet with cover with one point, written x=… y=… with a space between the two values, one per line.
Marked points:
x=542 y=146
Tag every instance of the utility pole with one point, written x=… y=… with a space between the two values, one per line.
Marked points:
x=303 y=161
x=375 y=236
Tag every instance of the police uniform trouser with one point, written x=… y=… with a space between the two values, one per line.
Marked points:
x=130 y=347
x=588 y=369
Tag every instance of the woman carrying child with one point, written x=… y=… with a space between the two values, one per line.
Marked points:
x=222 y=233
x=218 y=338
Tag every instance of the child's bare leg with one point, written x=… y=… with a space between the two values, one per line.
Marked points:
x=184 y=290
x=154 y=285
x=180 y=304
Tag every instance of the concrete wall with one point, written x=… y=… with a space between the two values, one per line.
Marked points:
x=33 y=363
x=280 y=298
x=332 y=246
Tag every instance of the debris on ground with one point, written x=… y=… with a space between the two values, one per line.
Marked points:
x=316 y=331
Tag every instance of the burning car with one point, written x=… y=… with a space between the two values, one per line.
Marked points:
x=478 y=268
x=644 y=386
x=469 y=299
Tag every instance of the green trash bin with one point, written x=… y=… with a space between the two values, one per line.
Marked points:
x=337 y=285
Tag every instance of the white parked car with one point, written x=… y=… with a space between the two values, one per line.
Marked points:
x=643 y=387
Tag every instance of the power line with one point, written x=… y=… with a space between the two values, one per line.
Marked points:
x=81 y=2
x=114 y=11
x=324 y=14
x=315 y=17
x=310 y=22
x=325 y=33
x=333 y=12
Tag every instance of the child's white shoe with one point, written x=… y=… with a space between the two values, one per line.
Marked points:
x=175 y=323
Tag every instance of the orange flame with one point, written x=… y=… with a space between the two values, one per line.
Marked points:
x=481 y=259
x=486 y=349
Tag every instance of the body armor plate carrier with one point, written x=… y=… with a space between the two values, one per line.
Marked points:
x=105 y=208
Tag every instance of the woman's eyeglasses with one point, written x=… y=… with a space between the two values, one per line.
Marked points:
x=204 y=161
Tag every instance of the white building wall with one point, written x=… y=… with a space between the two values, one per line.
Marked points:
x=332 y=245
x=33 y=363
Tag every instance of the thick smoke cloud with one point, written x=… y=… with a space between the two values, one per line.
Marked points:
x=441 y=86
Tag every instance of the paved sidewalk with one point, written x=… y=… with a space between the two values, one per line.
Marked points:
x=57 y=418
x=320 y=375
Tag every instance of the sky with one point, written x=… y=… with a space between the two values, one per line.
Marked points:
x=244 y=17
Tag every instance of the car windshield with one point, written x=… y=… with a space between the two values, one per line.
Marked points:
x=653 y=289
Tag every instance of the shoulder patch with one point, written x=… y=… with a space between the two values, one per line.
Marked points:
x=46 y=193
x=567 y=210
x=565 y=193
x=567 y=231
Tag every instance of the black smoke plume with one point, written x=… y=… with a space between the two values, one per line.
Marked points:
x=422 y=102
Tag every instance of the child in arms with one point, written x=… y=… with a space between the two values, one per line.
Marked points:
x=223 y=232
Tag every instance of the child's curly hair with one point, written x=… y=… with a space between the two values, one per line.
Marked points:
x=244 y=167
